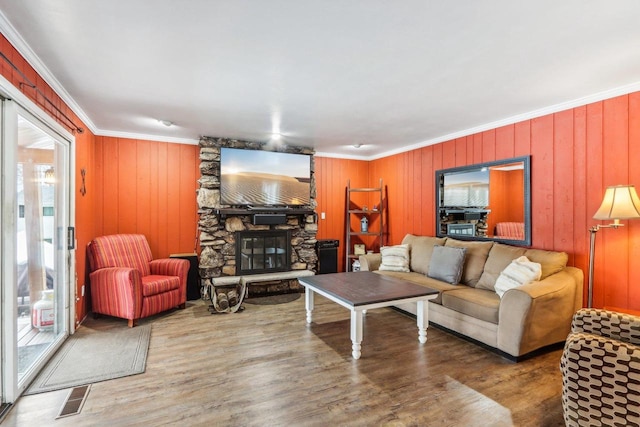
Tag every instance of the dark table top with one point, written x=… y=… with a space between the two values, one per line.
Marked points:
x=365 y=287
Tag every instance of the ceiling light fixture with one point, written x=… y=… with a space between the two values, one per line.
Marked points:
x=167 y=123
x=357 y=145
x=276 y=136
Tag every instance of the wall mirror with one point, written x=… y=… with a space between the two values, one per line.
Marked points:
x=487 y=201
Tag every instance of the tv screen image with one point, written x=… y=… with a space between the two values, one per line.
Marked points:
x=467 y=189
x=264 y=178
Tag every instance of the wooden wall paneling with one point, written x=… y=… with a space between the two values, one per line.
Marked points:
x=563 y=191
x=331 y=181
x=580 y=192
x=127 y=184
x=400 y=221
x=153 y=214
x=595 y=188
x=162 y=240
x=85 y=216
x=173 y=193
x=448 y=154
x=143 y=189
x=488 y=145
x=634 y=179
x=461 y=151
x=98 y=179
x=542 y=167
x=187 y=206
x=616 y=171
x=478 y=156
x=406 y=185
x=505 y=142
x=522 y=139
x=427 y=208
x=417 y=194
x=109 y=184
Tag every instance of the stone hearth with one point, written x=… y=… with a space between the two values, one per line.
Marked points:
x=219 y=224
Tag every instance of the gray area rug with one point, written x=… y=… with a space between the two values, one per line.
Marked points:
x=100 y=350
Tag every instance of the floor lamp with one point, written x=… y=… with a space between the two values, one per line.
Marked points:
x=619 y=202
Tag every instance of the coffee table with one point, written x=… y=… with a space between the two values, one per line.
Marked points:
x=363 y=290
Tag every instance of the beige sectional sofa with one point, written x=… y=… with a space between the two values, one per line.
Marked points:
x=524 y=319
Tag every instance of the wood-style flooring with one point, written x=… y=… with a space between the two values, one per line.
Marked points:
x=266 y=367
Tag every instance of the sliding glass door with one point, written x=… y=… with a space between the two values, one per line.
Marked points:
x=36 y=258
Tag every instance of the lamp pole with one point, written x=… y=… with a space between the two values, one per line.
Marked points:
x=593 y=230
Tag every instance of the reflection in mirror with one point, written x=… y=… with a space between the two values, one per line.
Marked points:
x=488 y=201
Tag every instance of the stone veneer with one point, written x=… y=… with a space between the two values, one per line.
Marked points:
x=217 y=232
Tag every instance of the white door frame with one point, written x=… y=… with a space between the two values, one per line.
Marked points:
x=17 y=103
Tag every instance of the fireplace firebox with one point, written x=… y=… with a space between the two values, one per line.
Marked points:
x=263 y=251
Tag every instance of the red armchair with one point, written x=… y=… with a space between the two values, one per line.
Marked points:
x=126 y=282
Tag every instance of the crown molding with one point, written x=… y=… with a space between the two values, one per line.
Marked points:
x=32 y=59
x=579 y=102
x=146 y=137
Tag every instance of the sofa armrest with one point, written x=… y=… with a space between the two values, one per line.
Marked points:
x=609 y=324
x=539 y=313
x=173 y=267
x=370 y=262
x=117 y=291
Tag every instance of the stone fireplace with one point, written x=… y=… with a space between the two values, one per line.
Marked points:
x=234 y=243
x=263 y=251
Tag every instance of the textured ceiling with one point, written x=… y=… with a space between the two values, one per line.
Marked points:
x=325 y=74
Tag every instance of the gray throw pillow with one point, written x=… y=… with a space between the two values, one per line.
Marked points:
x=446 y=264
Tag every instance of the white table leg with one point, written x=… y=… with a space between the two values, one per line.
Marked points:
x=308 y=299
x=422 y=320
x=356 y=333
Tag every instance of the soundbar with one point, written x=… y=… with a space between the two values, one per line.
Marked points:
x=269 y=219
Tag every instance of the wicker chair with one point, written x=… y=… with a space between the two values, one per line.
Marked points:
x=600 y=369
x=126 y=282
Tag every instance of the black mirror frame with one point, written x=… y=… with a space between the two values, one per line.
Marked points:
x=526 y=160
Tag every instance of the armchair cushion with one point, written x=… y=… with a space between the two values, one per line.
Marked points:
x=153 y=285
x=121 y=250
x=600 y=374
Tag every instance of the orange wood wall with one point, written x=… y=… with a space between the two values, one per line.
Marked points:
x=575 y=155
x=148 y=188
x=83 y=150
x=331 y=183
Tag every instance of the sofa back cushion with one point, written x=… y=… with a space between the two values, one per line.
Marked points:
x=120 y=250
x=552 y=262
x=500 y=256
x=475 y=258
x=421 y=248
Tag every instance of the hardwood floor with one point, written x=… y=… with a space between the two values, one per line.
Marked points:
x=266 y=367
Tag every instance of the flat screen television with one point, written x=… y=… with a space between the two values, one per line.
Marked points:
x=466 y=189
x=264 y=178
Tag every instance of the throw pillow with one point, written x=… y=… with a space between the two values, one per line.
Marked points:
x=446 y=264
x=500 y=256
x=520 y=272
x=395 y=258
x=420 y=248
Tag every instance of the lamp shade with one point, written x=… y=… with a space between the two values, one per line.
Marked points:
x=619 y=202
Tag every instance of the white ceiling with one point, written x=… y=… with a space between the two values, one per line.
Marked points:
x=391 y=75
